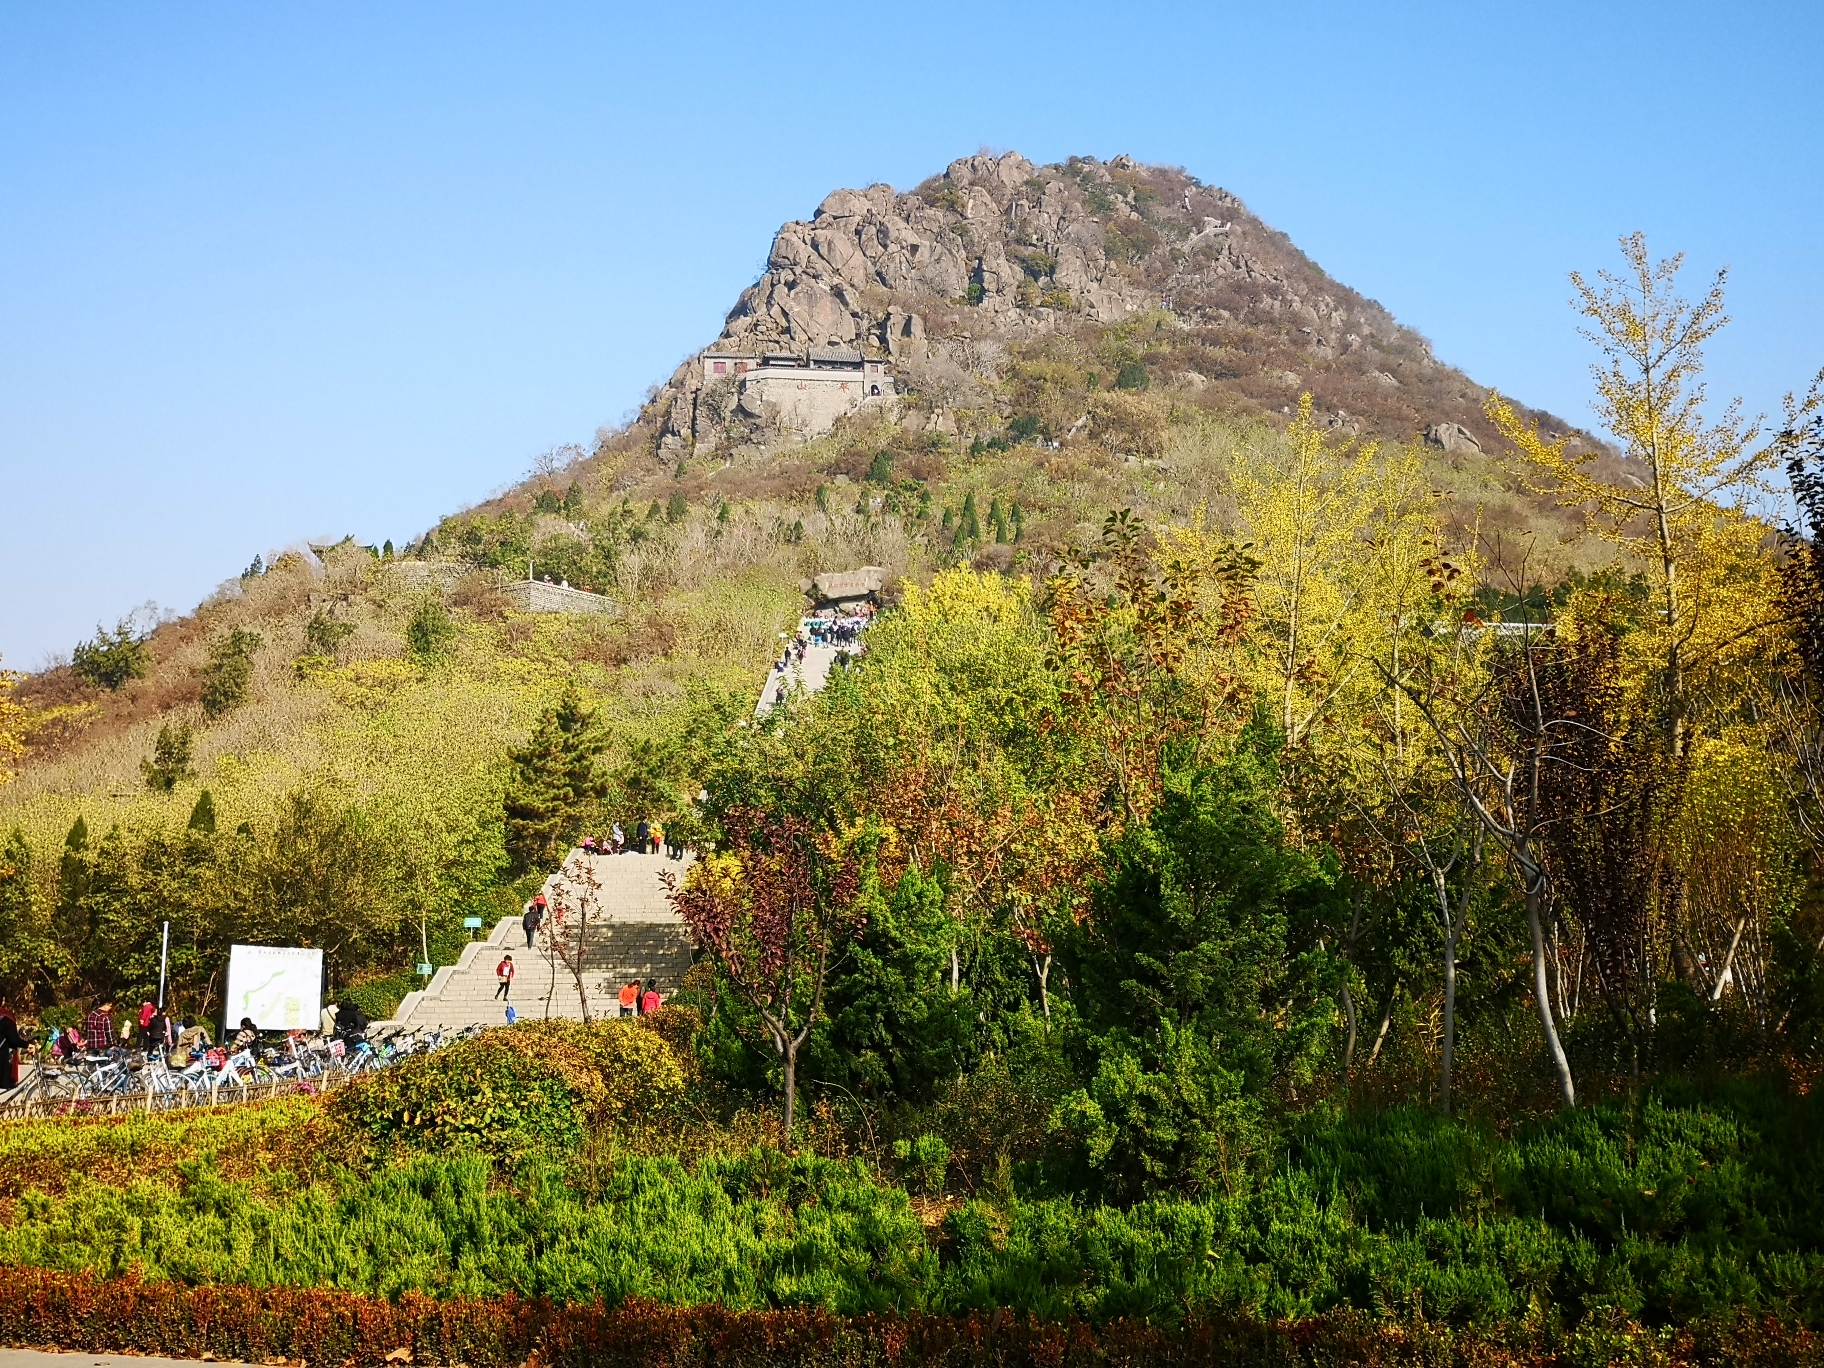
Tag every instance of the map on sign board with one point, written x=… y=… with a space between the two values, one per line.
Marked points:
x=280 y=987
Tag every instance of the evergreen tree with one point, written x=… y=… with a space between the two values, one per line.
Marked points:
x=556 y=782
x=112 y=658
x=202 y=816
x=73 y=886
x=1018 y=520
x=573 y=501
x=170 y=759
x=894 y=1027
x=1197 y=987
x=229 y=673
x=676 y=507
x=881 y=470
x=971 y=525
x=997 y=519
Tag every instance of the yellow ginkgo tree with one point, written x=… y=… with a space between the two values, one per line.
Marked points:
x=1342 y=533
x=1679 y=503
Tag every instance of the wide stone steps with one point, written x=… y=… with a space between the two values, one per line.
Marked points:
x=633 y=934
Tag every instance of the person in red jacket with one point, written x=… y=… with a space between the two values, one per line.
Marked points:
x=504 y=972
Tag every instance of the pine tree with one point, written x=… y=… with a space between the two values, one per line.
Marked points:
x=971 y=528
x=1018 y=518
x=229 y=673
x=555 y=783
x=573 y=501
x=170 y=759
x=202 y=816
x=112 y=658
x=997 y=519
x=73 y=914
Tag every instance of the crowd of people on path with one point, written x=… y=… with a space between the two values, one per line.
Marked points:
x=835 y=627
x=649 y=838
x=841 y=629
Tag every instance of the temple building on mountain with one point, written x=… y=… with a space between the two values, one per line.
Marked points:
x=800 y=393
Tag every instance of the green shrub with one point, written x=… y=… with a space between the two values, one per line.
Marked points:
x=924 y=1162
x=1132 y=376
x=325 y=635
x=380 y=997
x=534 y=1086
x=430 y=633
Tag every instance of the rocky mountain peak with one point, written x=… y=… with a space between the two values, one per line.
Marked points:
x=997 y=254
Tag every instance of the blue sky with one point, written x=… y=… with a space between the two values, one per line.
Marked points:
x=284 y=270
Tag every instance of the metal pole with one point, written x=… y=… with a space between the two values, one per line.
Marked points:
x=164 y=955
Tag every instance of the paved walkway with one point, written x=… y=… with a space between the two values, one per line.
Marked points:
x=807 y=677
x=634 y=933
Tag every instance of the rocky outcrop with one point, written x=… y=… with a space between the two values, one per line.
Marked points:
x=997 y=252
x=1454 y=438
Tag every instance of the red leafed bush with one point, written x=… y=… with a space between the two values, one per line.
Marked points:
x=340 y=1330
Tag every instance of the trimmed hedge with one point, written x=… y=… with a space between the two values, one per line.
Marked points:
x=74 y=1312
x=540 y=1084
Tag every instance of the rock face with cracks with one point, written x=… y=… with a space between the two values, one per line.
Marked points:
x=945 y=281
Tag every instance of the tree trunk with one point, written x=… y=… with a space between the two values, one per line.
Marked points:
x=1450 y=1015
x=789 y=1056
x=1380 y=1035
x=1042 y=967
x=956 y=971
x=1535 y=894
x=1722 y=978
x=1349 y=1041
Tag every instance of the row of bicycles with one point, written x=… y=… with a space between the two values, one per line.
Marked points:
x=123 y=1080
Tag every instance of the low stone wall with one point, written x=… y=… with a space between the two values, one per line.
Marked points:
x=535 y=596
x=418 y=576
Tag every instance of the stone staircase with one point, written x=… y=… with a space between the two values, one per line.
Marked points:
x=634 y=933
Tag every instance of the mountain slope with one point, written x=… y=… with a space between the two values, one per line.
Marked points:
x=1069 y=339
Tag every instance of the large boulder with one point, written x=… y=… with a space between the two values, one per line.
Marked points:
x=1454 y=438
